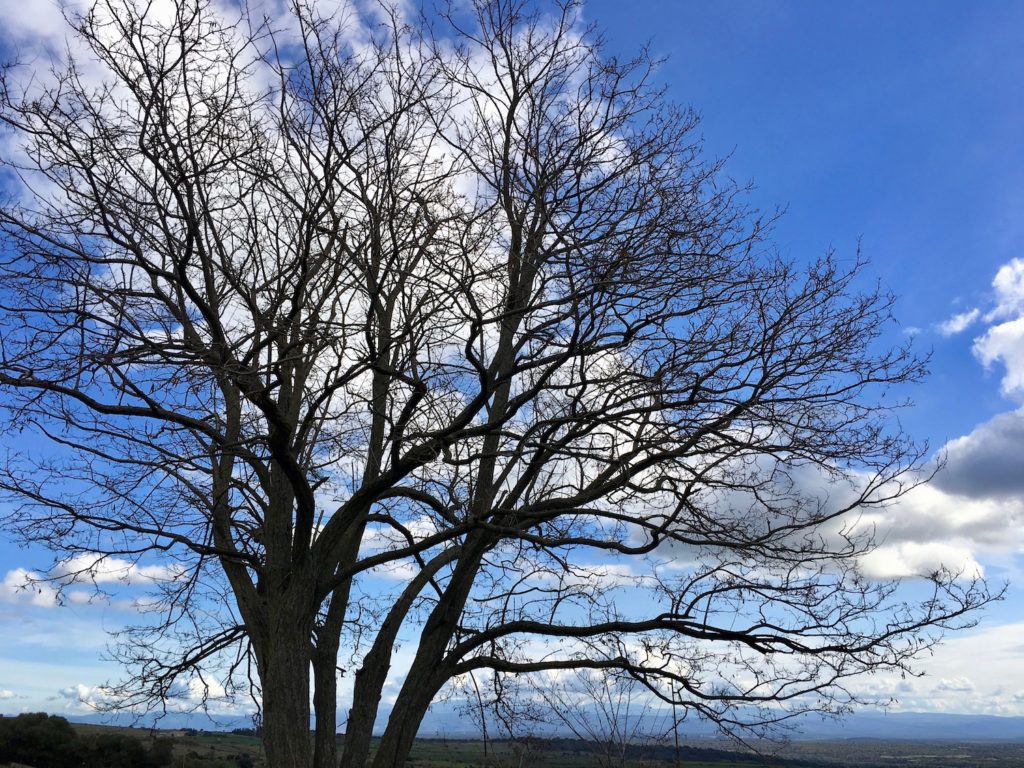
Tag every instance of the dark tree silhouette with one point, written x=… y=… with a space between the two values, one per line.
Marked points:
x=49 y=741
x=35 y=738
x=293 y=304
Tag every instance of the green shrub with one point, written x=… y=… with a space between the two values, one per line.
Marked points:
x=40 y=740
x=49 y=741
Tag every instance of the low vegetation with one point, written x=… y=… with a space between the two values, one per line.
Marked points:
x=49 y=741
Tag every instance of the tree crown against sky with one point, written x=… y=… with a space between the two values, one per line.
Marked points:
x=293 y=305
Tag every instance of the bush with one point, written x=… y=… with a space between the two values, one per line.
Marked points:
x=49 y=741
x=115 y=751
x=40 y=740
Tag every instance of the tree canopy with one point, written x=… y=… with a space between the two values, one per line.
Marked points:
x=299 y=304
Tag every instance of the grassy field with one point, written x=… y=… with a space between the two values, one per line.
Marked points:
x=871 y=753
x=202 y=749
x=563 y=753
x=194 y=749
x=207 y=749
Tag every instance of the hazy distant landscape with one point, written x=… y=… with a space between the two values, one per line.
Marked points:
x=444 y=721
x=240 y=749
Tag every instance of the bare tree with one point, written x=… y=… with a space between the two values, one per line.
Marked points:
x=299 y=301
x=608 y=711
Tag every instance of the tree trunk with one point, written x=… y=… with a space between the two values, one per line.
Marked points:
x=371 y=676
x=419 y=690
x=428 y=672
x=365 y=702
x=325 y=701
x=285 y=681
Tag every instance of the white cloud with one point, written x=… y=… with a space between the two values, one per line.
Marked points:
x=48 y=590
x=928 y=514
x=993 y=660
x=971 y=513
x=959 y=322
x=101 y=569
x=86 y=698
x=183 y=697
x=7 y=694
x=1003 y=342
x=911 y=559
x=78 y=692
x=988 y=462
x=80 y=597
x=22 y=586
x=43 y=26
x=959 y=684
x=1009 y=290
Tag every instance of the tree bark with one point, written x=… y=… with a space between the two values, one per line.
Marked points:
x=284 y=675
x=419 y=690
x=325 y=707
x=325 y=683
x=372 y=675
x=429 y=670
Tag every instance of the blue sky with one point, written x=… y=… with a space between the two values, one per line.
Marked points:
x=897 y=126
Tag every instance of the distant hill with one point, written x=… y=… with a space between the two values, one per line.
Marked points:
x=445 y=720
x=171 y=721
x=896 y=726
x=915 y=726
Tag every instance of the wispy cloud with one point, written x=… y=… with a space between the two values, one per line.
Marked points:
x=57 y=586
x=959 y=323
x=993 y=685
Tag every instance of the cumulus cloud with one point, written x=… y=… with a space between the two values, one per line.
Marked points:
x=6 y=695
x=1003 y=342
x=78 y=692
x=183 y=697
x=47 y=590
x=988 y=462
x=970 y=515
x=959 y=322
x=23 y=586
x=930 y=514
x=908 y=559
x=974 y=508
x=100 y=569
x=1009 y=291
x=82 y=697
x=972 y=511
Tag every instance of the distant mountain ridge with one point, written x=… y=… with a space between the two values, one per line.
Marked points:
x=914 y=726
x=896 y=726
